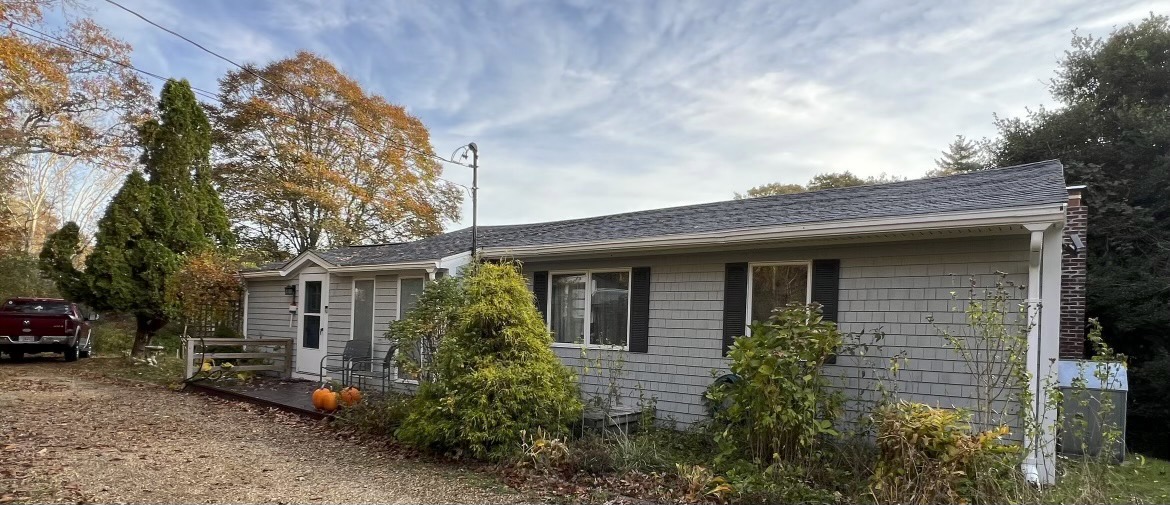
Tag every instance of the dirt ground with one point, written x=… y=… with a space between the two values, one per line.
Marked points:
x=71 y=436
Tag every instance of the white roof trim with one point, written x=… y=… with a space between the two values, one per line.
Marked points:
x=305 y=257
x=428 y=266
x=853 y=227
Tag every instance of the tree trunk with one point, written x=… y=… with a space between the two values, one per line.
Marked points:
x=147 y=326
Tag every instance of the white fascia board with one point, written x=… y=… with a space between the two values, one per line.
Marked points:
x=429 y=266
x=305 y=257
x=853 y=227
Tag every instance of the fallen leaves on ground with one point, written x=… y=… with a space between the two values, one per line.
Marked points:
x=76 y=437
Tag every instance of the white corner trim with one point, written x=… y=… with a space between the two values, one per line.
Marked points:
x=1016 y=216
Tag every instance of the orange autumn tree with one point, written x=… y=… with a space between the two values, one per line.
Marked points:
x=308 y=159
x=205 y=292
x=66 y=95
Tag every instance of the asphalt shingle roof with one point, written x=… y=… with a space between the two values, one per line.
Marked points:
x=1018 y=186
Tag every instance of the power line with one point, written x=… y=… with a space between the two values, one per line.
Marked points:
x=51 y=39
x=404 y=147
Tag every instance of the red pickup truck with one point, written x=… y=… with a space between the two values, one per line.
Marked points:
x=32 y=325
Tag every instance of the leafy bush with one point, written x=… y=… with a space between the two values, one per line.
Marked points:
x=419 y=334
x=496 y=377
x=781 y=407
x=112 y=337
x=774 y=483
x=592 y=454
x=929 y=455
x=542 y=452
x=22 y=276
x=699 y=483
x=380 y=417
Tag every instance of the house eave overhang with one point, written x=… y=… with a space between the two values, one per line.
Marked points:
x=858 y=228
x=428 y=265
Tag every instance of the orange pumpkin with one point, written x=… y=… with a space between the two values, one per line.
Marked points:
x=329 y=402
x=319 y=397
x=350 y=396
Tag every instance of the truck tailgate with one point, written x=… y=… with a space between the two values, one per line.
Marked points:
x=15 y=324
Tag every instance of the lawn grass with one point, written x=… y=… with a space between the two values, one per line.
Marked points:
x=1139 y=479
x=1142 y=479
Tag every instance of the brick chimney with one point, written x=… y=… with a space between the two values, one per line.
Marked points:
x=1073 y=270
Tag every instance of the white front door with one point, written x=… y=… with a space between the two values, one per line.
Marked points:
x=311 y=325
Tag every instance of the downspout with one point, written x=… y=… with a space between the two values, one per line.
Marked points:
x=1039 y=464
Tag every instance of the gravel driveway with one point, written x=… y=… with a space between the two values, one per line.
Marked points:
x=70 y=436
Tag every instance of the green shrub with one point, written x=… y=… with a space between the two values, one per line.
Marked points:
x=380 y=416
x=497 y=377
x=112 y=338
x=929 y=455
x=775 y=483
x=22 y=276
x=781 y=407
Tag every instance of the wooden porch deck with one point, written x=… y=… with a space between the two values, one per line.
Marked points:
x=291 y=395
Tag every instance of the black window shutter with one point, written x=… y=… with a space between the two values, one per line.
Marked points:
x=734 y=303
x=826 y=277
x=640 y=309
x=540 y=290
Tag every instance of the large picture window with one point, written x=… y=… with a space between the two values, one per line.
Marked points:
x=590 y=307
x=774 y=285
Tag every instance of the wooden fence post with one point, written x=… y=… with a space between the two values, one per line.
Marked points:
x=288 y=359
x=189 y=356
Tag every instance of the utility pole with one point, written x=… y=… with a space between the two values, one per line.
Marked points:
x=474 y=201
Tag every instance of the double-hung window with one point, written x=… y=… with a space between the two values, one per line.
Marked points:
x=590 y=307
x=773 y=285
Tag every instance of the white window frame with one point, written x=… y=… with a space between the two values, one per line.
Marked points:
x=750 y=280
x=398 y=317
x=373 y=306
x=588 y=273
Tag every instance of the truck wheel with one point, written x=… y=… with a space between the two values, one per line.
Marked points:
x=71 y=354
x=16 y=355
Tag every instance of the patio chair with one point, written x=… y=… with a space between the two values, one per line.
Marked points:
x=369 y=372
x=356 y=351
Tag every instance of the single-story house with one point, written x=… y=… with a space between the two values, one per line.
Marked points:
x=664 y=292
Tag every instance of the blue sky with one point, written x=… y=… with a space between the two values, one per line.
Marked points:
x=583 y=108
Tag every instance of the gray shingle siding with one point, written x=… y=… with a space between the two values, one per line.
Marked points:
x=891 y=286
x=268 y=314
x=894 y=287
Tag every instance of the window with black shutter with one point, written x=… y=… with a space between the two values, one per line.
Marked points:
x=735 y=289
x=640 y=309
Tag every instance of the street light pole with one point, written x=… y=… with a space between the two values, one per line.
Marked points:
x=474 y=201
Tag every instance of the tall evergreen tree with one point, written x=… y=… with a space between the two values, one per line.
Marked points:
x=159 y=215
x=961 y=156
x=1111 y=129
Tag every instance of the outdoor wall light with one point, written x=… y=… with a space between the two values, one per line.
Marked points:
x=1076 y=245
x=290 y=290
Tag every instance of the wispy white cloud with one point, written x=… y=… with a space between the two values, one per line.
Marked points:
x=583 y=108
